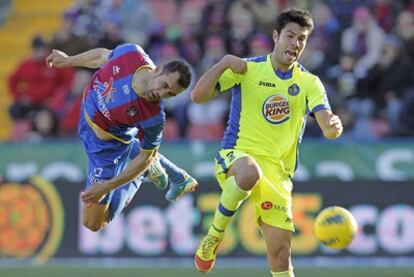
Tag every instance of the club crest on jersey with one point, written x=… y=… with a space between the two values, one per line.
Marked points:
x=294 y=90
x=276 y=109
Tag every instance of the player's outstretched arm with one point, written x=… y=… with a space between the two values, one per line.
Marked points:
x=329 y=123
x=134 y=169
x=205 y=88
x=92 y=59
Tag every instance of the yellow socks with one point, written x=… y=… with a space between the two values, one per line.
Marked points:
x=231 y=198
x=288 y=273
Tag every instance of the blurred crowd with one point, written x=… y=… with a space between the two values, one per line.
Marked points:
x=362 y=50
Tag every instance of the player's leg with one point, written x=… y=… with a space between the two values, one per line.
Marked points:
x=95 y=216
x=242 y=176
x=105 y=160
x=272 y=202
x=162 y=171
x=119 y=198
x=238 y=173
x=157 y=174
x=103 y=165
x=180 y=181
x=278 y=244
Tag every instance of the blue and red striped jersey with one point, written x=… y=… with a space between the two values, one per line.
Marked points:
x=114 y=106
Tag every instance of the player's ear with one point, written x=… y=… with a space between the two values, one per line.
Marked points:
x=275 y=35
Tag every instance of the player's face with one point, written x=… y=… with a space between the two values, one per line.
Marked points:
x=164 y=85
x=289 y=44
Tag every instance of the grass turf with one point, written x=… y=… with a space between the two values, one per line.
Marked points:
x=63 y=271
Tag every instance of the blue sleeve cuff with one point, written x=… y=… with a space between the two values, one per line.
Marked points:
x=320 y=107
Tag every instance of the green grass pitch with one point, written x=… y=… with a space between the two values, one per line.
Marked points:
x=66 y=271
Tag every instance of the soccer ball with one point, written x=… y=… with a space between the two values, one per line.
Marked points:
x=335 y=227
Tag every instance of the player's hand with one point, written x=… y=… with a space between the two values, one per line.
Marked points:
x=57 y=59
x=236 y=64
x=336 y=123
x=94 y=194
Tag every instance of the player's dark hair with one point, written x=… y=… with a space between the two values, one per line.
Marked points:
x=183 y=69
x=301 y=17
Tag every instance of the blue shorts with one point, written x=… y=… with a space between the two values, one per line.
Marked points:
x=107 y=159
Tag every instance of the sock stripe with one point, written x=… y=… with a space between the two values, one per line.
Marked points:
x=225 y=211
x=217 y=229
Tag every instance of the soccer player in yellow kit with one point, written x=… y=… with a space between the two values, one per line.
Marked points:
x=271 y=98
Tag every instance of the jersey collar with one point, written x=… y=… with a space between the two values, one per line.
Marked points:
x=282 y=75
x=134 y=85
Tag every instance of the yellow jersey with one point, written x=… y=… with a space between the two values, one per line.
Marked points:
x=269 y=108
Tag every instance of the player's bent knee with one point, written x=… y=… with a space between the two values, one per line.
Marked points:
x=94 y=217
x=248 y=174
x=93 y=225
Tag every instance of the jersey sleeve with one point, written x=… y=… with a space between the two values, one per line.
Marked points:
x=228 y=80
x=151 y=137
x=317 y=98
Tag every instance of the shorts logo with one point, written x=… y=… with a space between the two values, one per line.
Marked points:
x=97 y=171
x=94 y=180
x=294 y=90
x=116 y=160
x=280 y=208
x=231 y=156
x=267 y=205
x=276 y=109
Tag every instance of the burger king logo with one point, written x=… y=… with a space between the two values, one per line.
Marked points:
x=276 y=109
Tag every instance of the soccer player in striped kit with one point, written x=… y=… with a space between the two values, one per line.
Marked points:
x=122 y=101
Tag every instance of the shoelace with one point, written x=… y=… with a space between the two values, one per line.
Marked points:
x=208 y=246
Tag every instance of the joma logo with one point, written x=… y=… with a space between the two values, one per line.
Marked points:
x=267 y=84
